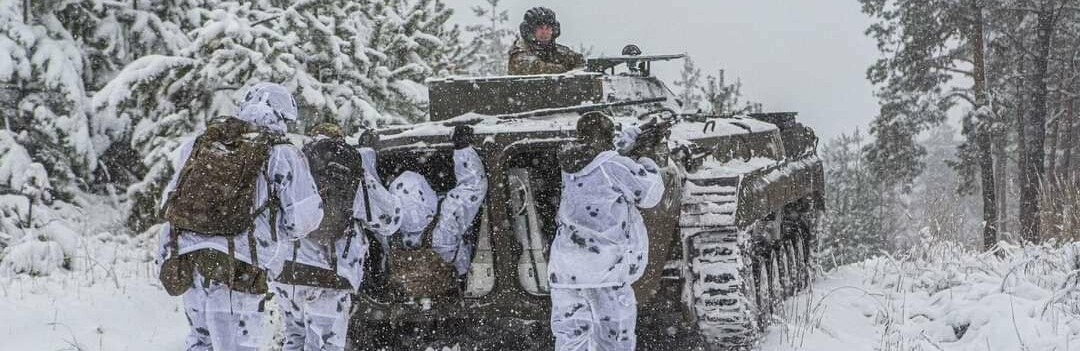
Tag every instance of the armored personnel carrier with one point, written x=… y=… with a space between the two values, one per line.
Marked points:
x=733 y=235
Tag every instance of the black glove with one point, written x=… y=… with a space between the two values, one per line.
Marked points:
x=650 y=137
x=368 y=138
x=462 y=137
x=652 y=141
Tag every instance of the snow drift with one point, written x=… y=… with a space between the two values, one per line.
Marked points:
x=940 y=297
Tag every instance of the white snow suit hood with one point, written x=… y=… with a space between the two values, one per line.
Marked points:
x=268 y=105
x=418 y=205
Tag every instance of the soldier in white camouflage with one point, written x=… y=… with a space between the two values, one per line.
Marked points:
x=224 y=300
x=601 y=246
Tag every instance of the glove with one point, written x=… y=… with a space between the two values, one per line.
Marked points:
x=368 y=138
x=462 y=137
x=576 y=60
x=626 y=138
x=652 y=137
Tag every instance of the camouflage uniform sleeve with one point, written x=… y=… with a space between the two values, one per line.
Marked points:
x=639 y=181
x=573 y=60
x=385 y=206
x=291 y=180
x=523 y=62
x=459 y=209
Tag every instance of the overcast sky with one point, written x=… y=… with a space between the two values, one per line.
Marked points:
x=808 y=56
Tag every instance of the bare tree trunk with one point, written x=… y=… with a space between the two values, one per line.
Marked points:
x=1052 y=140
x=1051 y=198
x=1032 y=172
x=1065 y=170
x=1001 y=171
x=1021 y=132
x=983 y=130
x=1074 y=147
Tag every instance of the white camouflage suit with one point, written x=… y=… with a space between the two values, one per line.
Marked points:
x=317 y=318
x=226 y=320
x=459 y=209
x=418 y=205
x=600 y=249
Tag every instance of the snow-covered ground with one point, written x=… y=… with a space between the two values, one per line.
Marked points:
x=944 y=298
x=108 y=300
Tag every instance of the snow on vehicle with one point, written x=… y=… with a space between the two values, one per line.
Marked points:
x=732 y=236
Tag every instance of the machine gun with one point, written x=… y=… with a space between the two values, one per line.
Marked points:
x=654 y=134
x=637 y=64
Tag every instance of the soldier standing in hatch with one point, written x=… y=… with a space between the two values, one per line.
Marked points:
x=536 y=52
x=601 y=246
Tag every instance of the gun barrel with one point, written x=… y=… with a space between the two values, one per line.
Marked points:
x=581 y=108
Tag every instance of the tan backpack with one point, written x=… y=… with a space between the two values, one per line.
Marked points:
x=216 y=187
x=213 y=196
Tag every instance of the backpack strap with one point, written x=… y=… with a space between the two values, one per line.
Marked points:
x=231 y=270
x=364 y=190
x=295 y=250
x=333 y=256
x=251 y=231
x=174 y=242
x=273 y=202
x=350 y=232
x=253 y=246
x=274 y=205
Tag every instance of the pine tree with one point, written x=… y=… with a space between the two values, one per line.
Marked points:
x=47 y=148
x=1006 y=62
x=356 y=64
x=714 y=96
x=861 y=218
x=722 y=99
x=942 y=212
x=126 y=32
x=689 y=83
x=41 y=69
x=66 y=51
x=407 y=43
x=927 y=44
x=1049 y=19
x=237 y=46
x=491 y=40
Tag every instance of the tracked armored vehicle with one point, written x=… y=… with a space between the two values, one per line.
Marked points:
x=732 y=236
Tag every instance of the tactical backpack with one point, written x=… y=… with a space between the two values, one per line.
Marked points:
x=213 y=196
x=338 y=170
